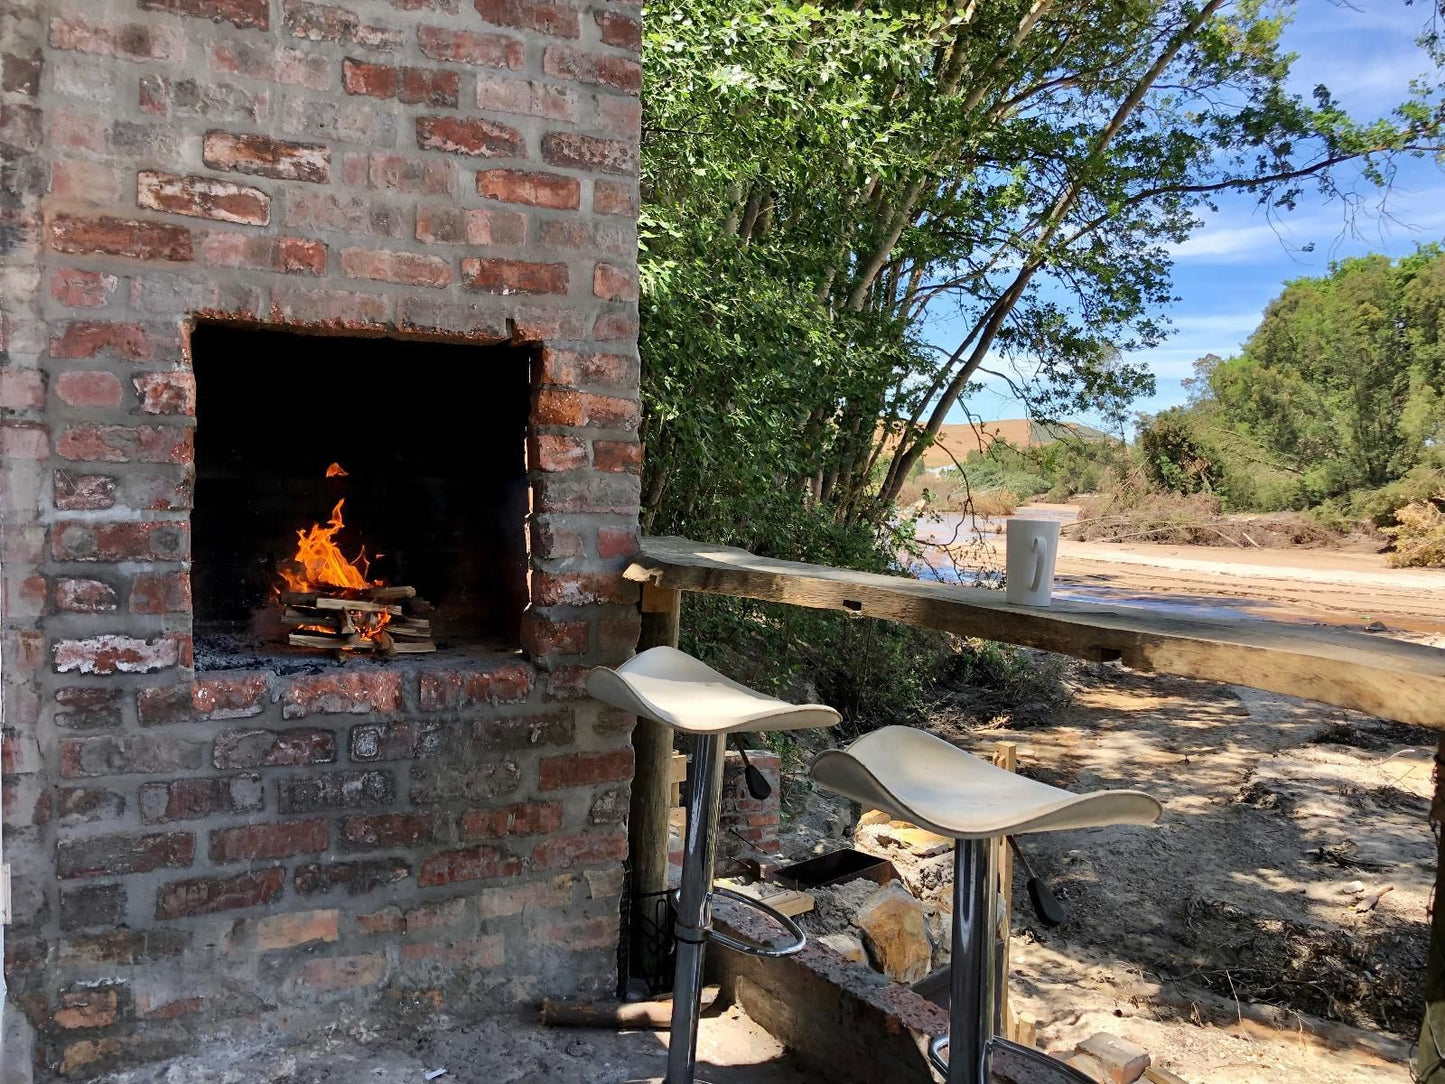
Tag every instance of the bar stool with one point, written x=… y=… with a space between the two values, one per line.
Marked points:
x=925 y=780
x=677 y=690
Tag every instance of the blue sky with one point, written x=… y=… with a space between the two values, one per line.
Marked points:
x=1365 y=52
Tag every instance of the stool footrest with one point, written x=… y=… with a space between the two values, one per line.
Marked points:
x=752 y=948
x=1014 y=1064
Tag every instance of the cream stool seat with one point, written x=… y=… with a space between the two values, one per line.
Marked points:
x=677 y=690
x=925 y=780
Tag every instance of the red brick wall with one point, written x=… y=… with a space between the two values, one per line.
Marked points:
x=427 y=840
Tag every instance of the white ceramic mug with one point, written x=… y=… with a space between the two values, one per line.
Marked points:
x=1033 y=545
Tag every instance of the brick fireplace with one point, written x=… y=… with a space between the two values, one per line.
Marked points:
x=240 y=239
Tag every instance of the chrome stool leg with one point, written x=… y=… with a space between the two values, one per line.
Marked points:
x=694 y=907
x=973 y=977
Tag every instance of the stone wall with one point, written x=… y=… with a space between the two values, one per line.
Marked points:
x=426 y=839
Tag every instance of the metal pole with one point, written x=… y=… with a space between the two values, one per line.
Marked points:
x=973 y=978
x=694 y=907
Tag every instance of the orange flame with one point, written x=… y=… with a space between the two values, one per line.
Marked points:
x=319 y=566
x=336 y=470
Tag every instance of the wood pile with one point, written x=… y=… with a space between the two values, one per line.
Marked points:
x=380 y=620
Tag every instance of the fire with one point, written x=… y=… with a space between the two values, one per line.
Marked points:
x=336 y=470
x=319 y=567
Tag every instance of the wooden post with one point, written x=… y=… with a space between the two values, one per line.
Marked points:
x=1005 y=756
x=1430 y=1058
x=651 y=781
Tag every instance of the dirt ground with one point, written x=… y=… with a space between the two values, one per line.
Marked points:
x=506 y=1050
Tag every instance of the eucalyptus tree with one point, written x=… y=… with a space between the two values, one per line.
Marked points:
x=821 y=180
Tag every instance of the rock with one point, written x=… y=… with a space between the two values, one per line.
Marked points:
x=873 y=816
x=1123 y=1062
x=1156 y=1075
x=846 y=946
x=895 y=930
x=920 y=841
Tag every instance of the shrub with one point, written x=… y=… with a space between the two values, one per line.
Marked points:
x=1419 y=536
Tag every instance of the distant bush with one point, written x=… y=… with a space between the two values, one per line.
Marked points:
x=1419 y=536
x=941 y=494
x=1380 y=507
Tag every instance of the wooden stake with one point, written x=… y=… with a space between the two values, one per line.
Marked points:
x=1430 y=1057
x=1005 y=756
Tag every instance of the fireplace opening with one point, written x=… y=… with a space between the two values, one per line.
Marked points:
x=415 y=449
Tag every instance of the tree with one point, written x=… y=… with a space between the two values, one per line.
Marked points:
x=821 y=178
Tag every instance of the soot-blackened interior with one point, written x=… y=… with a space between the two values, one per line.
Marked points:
x=432 y=439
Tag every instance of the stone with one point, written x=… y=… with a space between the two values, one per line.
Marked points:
x=846 y=946
x=895 y=930
x=1086 y=1065
x=1121 y=1061
x=920 y=841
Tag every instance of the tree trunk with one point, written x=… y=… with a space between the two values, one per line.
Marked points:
x=1430 y=1059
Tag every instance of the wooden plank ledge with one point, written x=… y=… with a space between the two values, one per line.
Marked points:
x=1388 y=678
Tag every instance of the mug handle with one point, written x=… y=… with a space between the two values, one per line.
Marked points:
x=1038 y=564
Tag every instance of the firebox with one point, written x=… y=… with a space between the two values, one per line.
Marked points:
x=408 y=456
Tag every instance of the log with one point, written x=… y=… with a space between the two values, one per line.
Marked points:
x=326 y=602
x=655 y=1014
x=404 y=647
x=382 y=594
x=318 y=639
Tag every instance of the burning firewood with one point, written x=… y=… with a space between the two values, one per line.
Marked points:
x=331 y=604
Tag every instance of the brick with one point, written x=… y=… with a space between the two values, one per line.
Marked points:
x=203 y=197
x=229 y=697
x=86 y=708
x=469 y=47
x=402 y=174
x=441 y=781
x=244 y=14
x=507 y=900
x=499 y=94
x=108 y=856
x=522 y=732
x=340 y=310
x=126 y=444
x=161 y=593
x=574 y=936
x=123 y=947
x=124 y=41
x=617 y=455
x=609 y=807
x=611 y=326
x=546 y=638
x=572 y=150
x=585 y=769
x=273 y=748
x=386 y=831
x=525 y=819
x=555 y=452
x=22 y=389
x=84 y=596
x=470 y=226
x=267 y=157
x=474 y=136
x=555 y=17
x=76 y=492
x=611 y=494
x=404 y=268
x=21 y=441
x=619 y=29
x=447 y=7
x=86 y=1008
x=288 y=255
x=208 y=895
x=301 y=928
x=411 y=86
x=336 y=790
x=473 y=953
x=116 y=654
x=88 y=389
x=396 y=741
x=196 y=98
x=595 y=69
x=89 y=338
x=619 y=117
x=613 y=283
x=262 y=60
x=79 y=289
x=469 y=864
x=24 y=596
x=269 y=842
x=194 y=799
x=445 y=690
x=324 y=211
x=21 y=74
x=166 y=393
x=554 y=406
x=126 y=754
x=162 y=492
x=358 y=878
x=619 y=633
x=334 y=694
x=536 y=189
x=514 y=276
x=110 y=236
x=343 y=972
x=130 y=540
x=387 y=920
x=616 y=542
x=92 y=905
x=87 y=805
x=320 y=22
x=586 y=848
